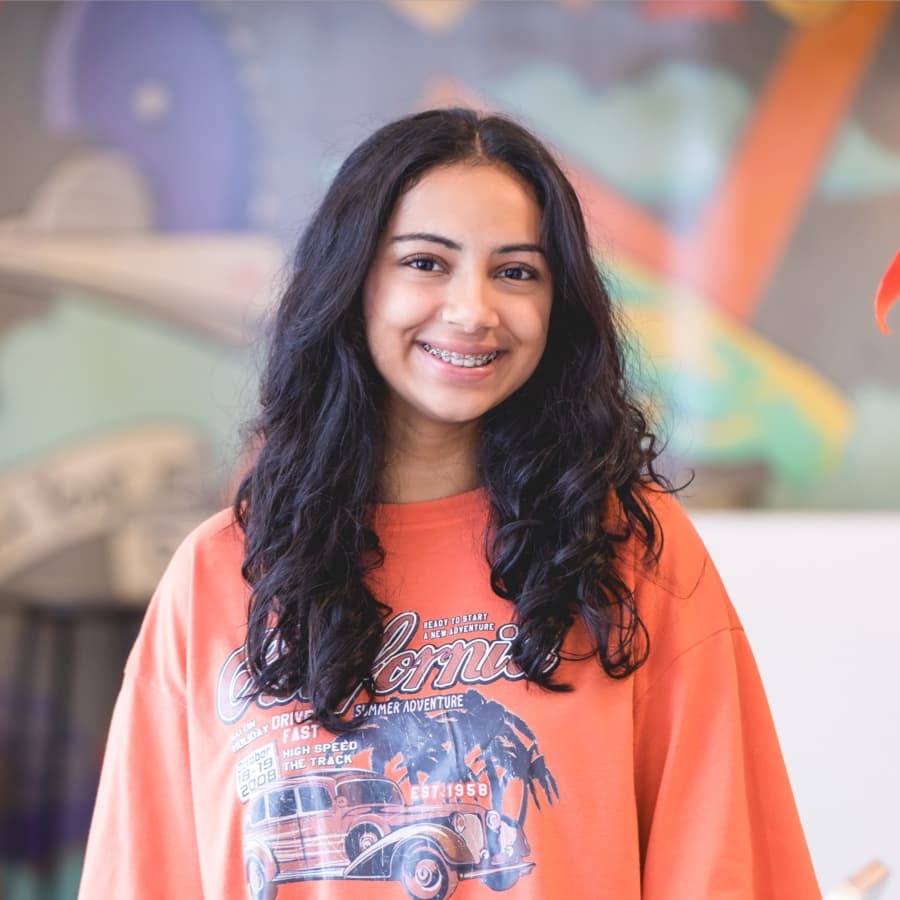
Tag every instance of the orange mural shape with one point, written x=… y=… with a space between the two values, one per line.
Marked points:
x=746 y=228
x=740 y=236
x=888 y=294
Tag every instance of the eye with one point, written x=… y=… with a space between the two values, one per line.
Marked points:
x=518 y=273
x=423 y=264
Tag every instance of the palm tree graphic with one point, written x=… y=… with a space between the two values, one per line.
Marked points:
x=480 y=740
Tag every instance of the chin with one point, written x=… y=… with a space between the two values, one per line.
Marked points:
x=453 y=415
x=460 y=418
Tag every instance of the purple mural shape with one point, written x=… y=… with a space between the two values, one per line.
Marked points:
x=155 y=81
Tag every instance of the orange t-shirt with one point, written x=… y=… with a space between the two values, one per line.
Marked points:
x=465 y=780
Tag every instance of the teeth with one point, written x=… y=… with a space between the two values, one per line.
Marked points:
x=464 y=360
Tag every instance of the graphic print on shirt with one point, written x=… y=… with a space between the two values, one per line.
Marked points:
x=430 y=790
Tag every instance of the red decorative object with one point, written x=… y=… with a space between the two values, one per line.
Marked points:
x=888 y=293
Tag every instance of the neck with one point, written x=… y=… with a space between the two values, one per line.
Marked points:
x=427 y=461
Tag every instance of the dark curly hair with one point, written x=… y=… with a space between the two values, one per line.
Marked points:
x=566 y=461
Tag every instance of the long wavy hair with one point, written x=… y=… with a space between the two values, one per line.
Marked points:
x=565 y=462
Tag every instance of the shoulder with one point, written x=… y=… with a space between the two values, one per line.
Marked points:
x=683 y=557
x=208 y=561
x=200 y=593
x=680 y=557
x=680 y=597
x=215 y=546
x=219 y=534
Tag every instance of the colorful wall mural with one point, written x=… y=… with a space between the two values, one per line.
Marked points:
x=739 y=163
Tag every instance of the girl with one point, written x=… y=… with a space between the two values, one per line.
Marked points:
x=485 y=650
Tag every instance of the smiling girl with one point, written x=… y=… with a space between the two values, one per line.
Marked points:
x=455 y=635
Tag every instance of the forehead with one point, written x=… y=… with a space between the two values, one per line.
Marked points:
x=469 y=196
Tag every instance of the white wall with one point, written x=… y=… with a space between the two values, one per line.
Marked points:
x=819 y=595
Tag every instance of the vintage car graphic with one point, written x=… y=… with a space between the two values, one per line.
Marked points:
x=355 y=824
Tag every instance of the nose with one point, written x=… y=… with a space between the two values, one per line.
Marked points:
x=470 y=307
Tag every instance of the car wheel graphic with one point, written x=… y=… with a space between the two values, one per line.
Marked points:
x=423 y=873
x=258 y=885
x=360 y=839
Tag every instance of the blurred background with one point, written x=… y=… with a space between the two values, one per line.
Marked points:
x=739 y=164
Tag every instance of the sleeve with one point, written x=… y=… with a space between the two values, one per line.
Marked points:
x=717 y=815
x=142 y=842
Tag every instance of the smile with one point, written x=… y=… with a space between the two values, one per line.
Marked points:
x=465 y=360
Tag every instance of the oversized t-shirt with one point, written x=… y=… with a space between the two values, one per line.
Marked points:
x=464 y=780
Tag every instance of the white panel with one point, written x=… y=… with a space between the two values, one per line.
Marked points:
x=819 y=595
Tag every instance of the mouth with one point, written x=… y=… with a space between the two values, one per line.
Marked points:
x=461 y=360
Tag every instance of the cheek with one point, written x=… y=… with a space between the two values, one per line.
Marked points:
x=535 y=326
x=389 y=322
x=394 y=311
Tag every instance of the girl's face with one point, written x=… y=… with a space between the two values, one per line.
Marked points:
x=457 y=299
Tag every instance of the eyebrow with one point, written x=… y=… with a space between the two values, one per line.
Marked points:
x=453 y=245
